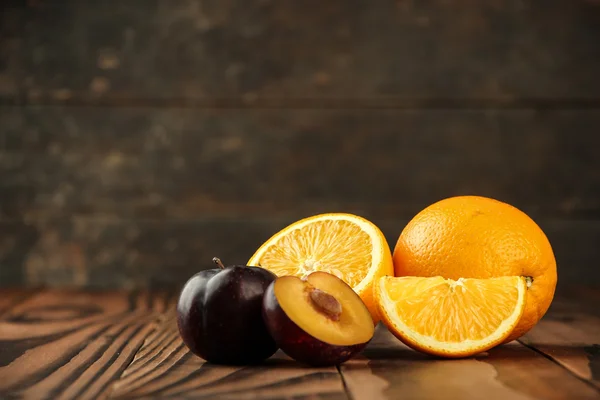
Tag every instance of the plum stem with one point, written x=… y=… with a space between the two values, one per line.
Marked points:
x=326 y=303
x=217 y=261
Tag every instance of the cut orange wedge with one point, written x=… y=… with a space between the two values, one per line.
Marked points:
x=345 y=245
x=451 y=318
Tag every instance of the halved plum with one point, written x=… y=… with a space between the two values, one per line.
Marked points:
x=318 y=320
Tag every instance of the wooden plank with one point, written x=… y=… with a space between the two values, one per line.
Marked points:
x=62 y=50
x=7 y=298
x=164 y=368
x=572 y=242
x=124 y=252
x=177 y=163
x=67 y=345
x=390 y=370
x=16 y=239
x=10 y=297
x=570 y=335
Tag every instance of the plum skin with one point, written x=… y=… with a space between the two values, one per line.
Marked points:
x=297 y=343
x=219 y=315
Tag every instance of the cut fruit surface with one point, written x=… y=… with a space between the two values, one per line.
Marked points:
x=354 y=324
x=451 y=318
x=345 y=245
x=317 y=321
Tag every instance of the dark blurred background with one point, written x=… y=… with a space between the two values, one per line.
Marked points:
x=138 y=139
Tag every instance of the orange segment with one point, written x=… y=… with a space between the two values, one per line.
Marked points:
x=452 y=318
x=345 y=245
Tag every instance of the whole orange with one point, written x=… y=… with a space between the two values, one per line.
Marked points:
x=479 y=237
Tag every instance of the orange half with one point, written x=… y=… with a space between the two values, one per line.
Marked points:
x=345 y=245
x=451 y=318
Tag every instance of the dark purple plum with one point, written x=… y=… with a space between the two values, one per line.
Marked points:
x=317 y=321
x=219 y=315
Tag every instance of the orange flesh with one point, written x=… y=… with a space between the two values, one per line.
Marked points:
x=336 y=246
x=453 y=311
x=355 y=325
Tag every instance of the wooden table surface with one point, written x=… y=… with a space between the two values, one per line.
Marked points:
x=89 y=345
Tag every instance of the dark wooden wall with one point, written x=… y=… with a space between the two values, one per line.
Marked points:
x=138 y=139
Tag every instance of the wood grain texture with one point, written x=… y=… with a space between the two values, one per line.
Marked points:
x=15 y=237
x=271 y=110
x=67 y=345
x=134 y=191
x=9 y=297
x=390 y=370
x=177 y=163
x=164 y=368
x=570 y=335
x=82 y=50
x=107 y=253
x=114 y=345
